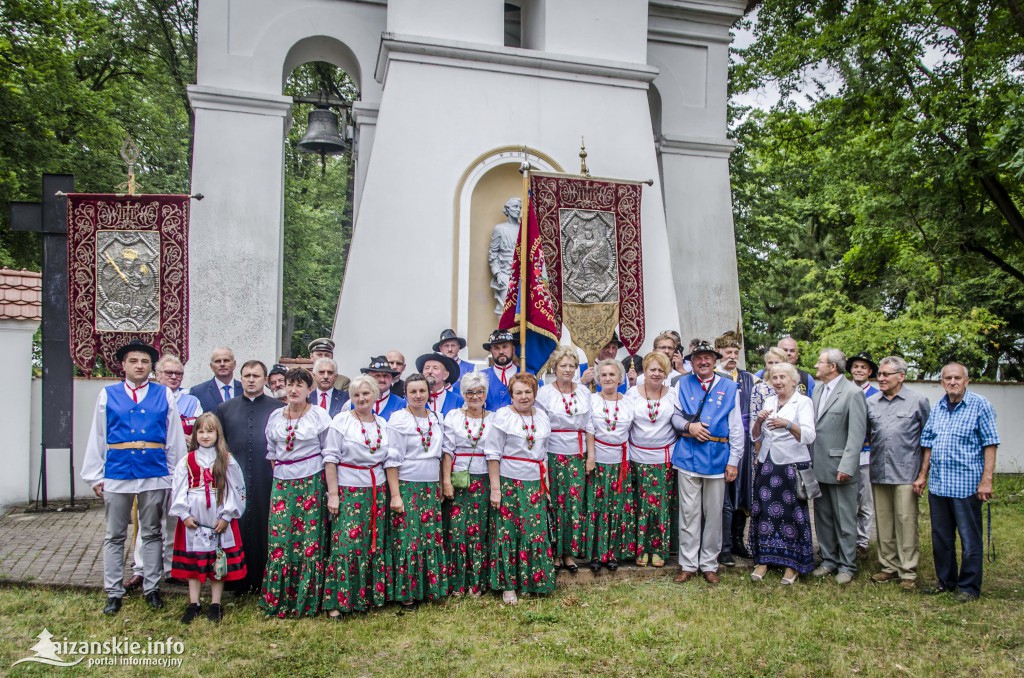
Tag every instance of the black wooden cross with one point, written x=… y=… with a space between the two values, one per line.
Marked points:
x=50 y=219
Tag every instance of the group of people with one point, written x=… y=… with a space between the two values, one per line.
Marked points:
x=458 y=480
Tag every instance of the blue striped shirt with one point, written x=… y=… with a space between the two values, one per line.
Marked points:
x=956 y=440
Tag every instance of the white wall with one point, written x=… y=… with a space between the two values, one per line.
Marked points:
x=15 y=415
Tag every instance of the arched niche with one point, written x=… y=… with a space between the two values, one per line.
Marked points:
x=487 y=183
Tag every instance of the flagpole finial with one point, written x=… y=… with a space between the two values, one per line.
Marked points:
x=583 y=159
x=525 y=167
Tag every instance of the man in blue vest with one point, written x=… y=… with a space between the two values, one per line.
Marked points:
x=442 y=374
x=705 y=458
x=450 y=344
x=169 y=372
x=502 y=347
x=135 y=442
x=863 y=369
x=388 y=403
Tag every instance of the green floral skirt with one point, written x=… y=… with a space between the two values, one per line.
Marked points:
x=355 y=577
x=611 y=515
x=414 y=548
x=654 y=487
x=466 y=537
x=521 y=557
x=568 y=509
x=293 y=581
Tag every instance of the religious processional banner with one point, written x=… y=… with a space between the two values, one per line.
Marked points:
x=127 y=275
x=590 y=231
x=542 y=328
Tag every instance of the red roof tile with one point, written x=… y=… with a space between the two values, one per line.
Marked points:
x=21 y=295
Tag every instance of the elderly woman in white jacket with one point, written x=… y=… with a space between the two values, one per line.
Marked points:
x=780 y=524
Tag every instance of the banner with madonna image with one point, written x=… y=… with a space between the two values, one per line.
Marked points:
x=590 y=230
x=127 y=275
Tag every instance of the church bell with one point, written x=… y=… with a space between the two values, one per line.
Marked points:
x=322 y=134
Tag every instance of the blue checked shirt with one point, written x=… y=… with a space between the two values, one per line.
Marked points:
x=956 y=440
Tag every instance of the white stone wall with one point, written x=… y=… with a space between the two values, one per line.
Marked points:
x=15 y=415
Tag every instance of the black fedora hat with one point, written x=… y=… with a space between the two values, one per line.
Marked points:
x=449 y=364
x=380 y=364
x=447 y=335
x=137 y=345
x=866 y=357
x=278 y=368
x=498 y=337
x=615 y=339
x=703 y=346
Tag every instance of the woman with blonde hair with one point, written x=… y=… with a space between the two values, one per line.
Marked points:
x=567 y=405
x=651 y=440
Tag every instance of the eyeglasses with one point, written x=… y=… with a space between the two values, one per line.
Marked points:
x=889 y=374
x=474 y=393
x=171 y=373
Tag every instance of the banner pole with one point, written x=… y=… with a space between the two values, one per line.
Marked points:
x=524 y=220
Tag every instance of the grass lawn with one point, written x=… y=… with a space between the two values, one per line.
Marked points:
x=612 y=628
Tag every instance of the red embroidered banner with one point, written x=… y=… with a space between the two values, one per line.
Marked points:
x=581 y=221
x=127 y=275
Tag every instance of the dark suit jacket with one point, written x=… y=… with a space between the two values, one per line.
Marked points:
x=209 y=394
x=338 y=400
x=841 y=428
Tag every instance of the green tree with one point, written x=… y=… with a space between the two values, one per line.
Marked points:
x=877 y=204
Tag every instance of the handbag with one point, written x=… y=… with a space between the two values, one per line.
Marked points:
x=806 y=484
x=220 y=563
x=460 y=479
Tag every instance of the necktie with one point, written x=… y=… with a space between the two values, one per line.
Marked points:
x=135 y=390
x=433 y=400
x=227 y=392
x=706 y=384
x=504 y=374
x=323 y=400
x=376 y=405
x=825 y=392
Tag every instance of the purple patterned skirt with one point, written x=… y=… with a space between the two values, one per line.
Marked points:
x=780 y=524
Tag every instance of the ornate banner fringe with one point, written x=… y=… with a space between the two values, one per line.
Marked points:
x=127 y=275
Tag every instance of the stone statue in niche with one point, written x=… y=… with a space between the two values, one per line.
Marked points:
x=503 y=244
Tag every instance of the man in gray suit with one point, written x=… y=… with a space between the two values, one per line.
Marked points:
x=841 y=425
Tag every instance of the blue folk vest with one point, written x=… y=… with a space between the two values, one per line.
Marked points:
x=128 y=422
x=708 y=458
x=497 y=393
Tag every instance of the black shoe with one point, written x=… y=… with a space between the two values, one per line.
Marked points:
x=934 y=590
x=612 y=564
x=408 y=608
x=595 y=566
x=154 y=600
x=740 y=550
x=725 y=558
x=965 y=597
x=216 y=613
x=572 y=567
x=113 y=605
x=192 y=611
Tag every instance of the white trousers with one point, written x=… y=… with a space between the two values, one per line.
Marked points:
x=700 y=506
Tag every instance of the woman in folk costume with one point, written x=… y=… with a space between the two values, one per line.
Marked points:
x=208 y=497
x=355 y=577
x=516 y=449
x=567 y=405
x=293 y=581
x=611 y=511
x=651 y=440
x=414 y=550
x=468 y=511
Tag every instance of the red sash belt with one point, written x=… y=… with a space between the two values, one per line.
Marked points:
x=665 y=448
x=373 y=500
x=624 y=464
x=465 y=454
x=543 y=470
x=579 y=436
x=289 y=462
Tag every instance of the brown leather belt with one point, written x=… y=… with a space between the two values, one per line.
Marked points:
x=140 y=445
x=711 y=439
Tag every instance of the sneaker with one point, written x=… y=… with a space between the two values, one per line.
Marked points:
x=216 y=613
x=844 y=578
x=822 y=571
x=725 y=558
x=883 y=576
x=965 y=597
x=908 y=584
x=192 y=611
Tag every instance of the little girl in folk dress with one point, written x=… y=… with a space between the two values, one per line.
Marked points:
x=208 y=498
